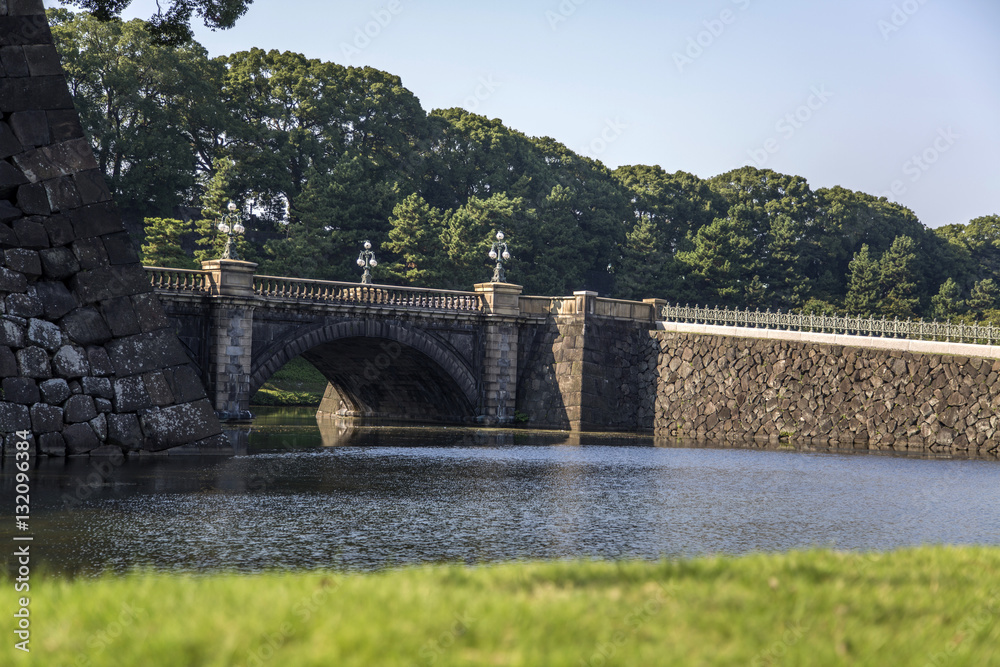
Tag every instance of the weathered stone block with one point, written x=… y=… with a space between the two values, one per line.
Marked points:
x=13 y=61
x=55 y=298
x=8 y=213
x=91 y=186
x=33 y=200
x=95 y=220
x=90 y=253
x=46 y=418
x=184 y=383
x=124 y=431
x=86 y=326
x=30 y=127
x=80 y=438
x=158 y=388
x=33 y=362
x=59 y=263
x=14 y=417
x=23 y=261
x=100 y=426
x=145 y=352
x=103 y=405
x=45 y=333
x=43 y=60
x=31 y=234
x=9 y=145
x=8 y=362
x=12 y=281
x=54 y=391
x=120 y=249
x=20 y=390
x=70 y=362
x=120 y=316
x=11 y=179
x=59 y=229
x=178 y=425
x=32 y=8
x=79 y=408
x=52 y=444
x=97 y=387
x=100 y=362
x=149 y=312
x=62 y=194
x=131 y=394
x=57 y=160
x=24 y=305
x=65 y=125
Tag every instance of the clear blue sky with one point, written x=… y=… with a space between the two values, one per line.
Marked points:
x=925 y=82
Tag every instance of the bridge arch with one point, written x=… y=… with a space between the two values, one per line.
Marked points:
x=381 y=368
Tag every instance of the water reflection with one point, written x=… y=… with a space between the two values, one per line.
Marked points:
x=350 y=496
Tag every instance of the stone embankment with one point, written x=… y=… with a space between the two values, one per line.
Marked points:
x=716 y=387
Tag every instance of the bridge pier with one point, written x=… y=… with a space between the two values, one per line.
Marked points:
x=500 y=365
x=230 y=342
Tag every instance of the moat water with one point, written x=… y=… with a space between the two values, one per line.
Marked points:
x=381 y=496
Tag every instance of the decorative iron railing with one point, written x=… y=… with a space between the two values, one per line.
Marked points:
x=376 y=295
x=179 y=280
x=860 y=326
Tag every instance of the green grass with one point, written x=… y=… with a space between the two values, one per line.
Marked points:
x=297 y=383
x=911 y=607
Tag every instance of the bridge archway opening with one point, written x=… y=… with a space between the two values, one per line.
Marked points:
x=382 y=377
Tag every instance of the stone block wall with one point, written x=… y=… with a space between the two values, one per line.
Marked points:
x=587 y=372
x=718 y=388
x=88 y=363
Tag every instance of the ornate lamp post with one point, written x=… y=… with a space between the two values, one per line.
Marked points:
x=366 y=259
x=500 y=254
x=230 y=225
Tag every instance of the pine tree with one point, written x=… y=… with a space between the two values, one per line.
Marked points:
x=898 y=279
x=862 y=285
x=162 y=245
x=416 y=237
x=948 y=301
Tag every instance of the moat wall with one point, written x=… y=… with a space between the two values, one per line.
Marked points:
x=722 y=388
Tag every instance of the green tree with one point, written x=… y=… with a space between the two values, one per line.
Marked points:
x=985 y=296
x=172 y=25
x=415 y=237
x=136 y=101
x=468 y=235
x=863 y=284
x=163 y=243
x=720 y=263
x=898 y=279
x=948 y=301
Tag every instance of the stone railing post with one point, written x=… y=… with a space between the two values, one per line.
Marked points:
x=502 y=301
x=585 y=302
x=230 y=336
x=657 y=305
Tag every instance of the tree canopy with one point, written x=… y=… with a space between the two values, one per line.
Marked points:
x=172 y=24
x=319 y=157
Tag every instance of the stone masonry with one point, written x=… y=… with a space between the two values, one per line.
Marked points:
x=88 y=363
x=720 y=388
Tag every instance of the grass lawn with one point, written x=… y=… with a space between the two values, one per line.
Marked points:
x=297 y=383
x=926 y=606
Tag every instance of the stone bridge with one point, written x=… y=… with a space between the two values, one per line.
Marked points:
x=484 y=356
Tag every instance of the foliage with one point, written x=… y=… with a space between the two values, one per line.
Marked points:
x=320 y=157
x=173 y=25
x=163 y=244
x=914 y=606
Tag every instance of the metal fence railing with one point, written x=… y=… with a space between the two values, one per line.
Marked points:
x=982 y=334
